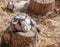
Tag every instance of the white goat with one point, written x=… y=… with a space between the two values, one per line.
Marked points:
x=22 y=5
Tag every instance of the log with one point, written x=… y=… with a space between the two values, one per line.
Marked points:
x=10 y=39
x=41 y=7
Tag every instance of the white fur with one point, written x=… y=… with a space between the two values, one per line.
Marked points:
x=25 y=21
x=27 y=34
x=18 y=6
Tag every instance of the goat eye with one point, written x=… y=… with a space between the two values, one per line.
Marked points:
x=15 y=19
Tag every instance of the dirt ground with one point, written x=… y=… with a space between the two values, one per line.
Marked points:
x=50 y=26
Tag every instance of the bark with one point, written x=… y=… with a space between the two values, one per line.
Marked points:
x=10 y=39
x=41 y=8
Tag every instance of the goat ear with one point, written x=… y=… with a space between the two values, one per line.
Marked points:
x=8 y=3
x=38 y=30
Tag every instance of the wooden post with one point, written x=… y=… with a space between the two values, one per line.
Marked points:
x=10 y=39
x=41 y=7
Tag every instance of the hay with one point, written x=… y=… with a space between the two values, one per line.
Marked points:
x=49 y=34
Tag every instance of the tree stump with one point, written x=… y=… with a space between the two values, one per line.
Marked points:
x=10 y=39
x=41 y=7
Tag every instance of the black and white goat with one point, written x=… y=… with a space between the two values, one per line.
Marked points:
x=22 y=22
